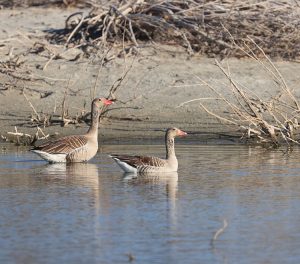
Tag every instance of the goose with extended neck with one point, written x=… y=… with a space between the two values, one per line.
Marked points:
x=76 y=148
x=144 y=164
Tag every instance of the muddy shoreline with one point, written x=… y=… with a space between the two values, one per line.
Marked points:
x=161 y=78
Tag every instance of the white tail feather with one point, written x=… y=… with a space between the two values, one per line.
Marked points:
x=55 y=158
x=124 y=166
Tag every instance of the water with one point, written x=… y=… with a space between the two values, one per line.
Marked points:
x=92 y=213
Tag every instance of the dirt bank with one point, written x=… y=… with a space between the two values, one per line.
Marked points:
x=160 y=79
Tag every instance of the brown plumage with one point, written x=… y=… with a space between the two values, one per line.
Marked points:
x=77 y=148
x=138 y=161
x=63 y=145
x=144 y=164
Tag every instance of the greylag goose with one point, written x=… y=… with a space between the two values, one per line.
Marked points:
x=143 y=164
x=77 y=148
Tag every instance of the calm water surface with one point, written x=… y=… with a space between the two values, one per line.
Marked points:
x=92 y=213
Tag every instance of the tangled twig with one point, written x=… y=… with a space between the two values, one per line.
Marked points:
x=209 y=27
x=272 y=121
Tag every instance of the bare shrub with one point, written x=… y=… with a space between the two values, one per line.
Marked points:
x=197 y=25
x=271 y=121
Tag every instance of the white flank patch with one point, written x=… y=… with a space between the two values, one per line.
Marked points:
x=55 y=158
x=125 y=166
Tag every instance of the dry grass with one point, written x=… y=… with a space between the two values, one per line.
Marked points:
x=61 y=112
x=20 y=138
x=207 y=27
x=270 y=121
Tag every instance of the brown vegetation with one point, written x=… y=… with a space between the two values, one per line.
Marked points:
x=257 y=29
x=268 y=121
x=207 y=27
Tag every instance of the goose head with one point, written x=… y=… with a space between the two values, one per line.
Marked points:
x=174 y=132
x=101 y=101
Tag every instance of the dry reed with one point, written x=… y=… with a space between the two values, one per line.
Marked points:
x=271 y=121
x=207 y=27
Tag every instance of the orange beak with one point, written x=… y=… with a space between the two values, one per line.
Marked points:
x=107 y=102
x=181 y=133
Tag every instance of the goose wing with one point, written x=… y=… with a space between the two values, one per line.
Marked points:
x=63 y=145
x=139 y=161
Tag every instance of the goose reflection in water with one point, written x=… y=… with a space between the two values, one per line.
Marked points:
x=165 y=181
x=78 y=179
x=170 y=179
x=73 y=170
x=77 y=185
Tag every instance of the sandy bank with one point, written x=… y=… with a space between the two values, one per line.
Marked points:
x=161 y=78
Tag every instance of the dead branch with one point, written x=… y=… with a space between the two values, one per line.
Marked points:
x=207 y=27
x=31 y=106
x=219 y=231
x=273 y=120
x=20 y=138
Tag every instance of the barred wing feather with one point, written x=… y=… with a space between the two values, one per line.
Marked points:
x=63 y=145
x=139 y=161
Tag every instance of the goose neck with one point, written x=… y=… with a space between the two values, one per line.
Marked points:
x=170 y=150
x=93 y=130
